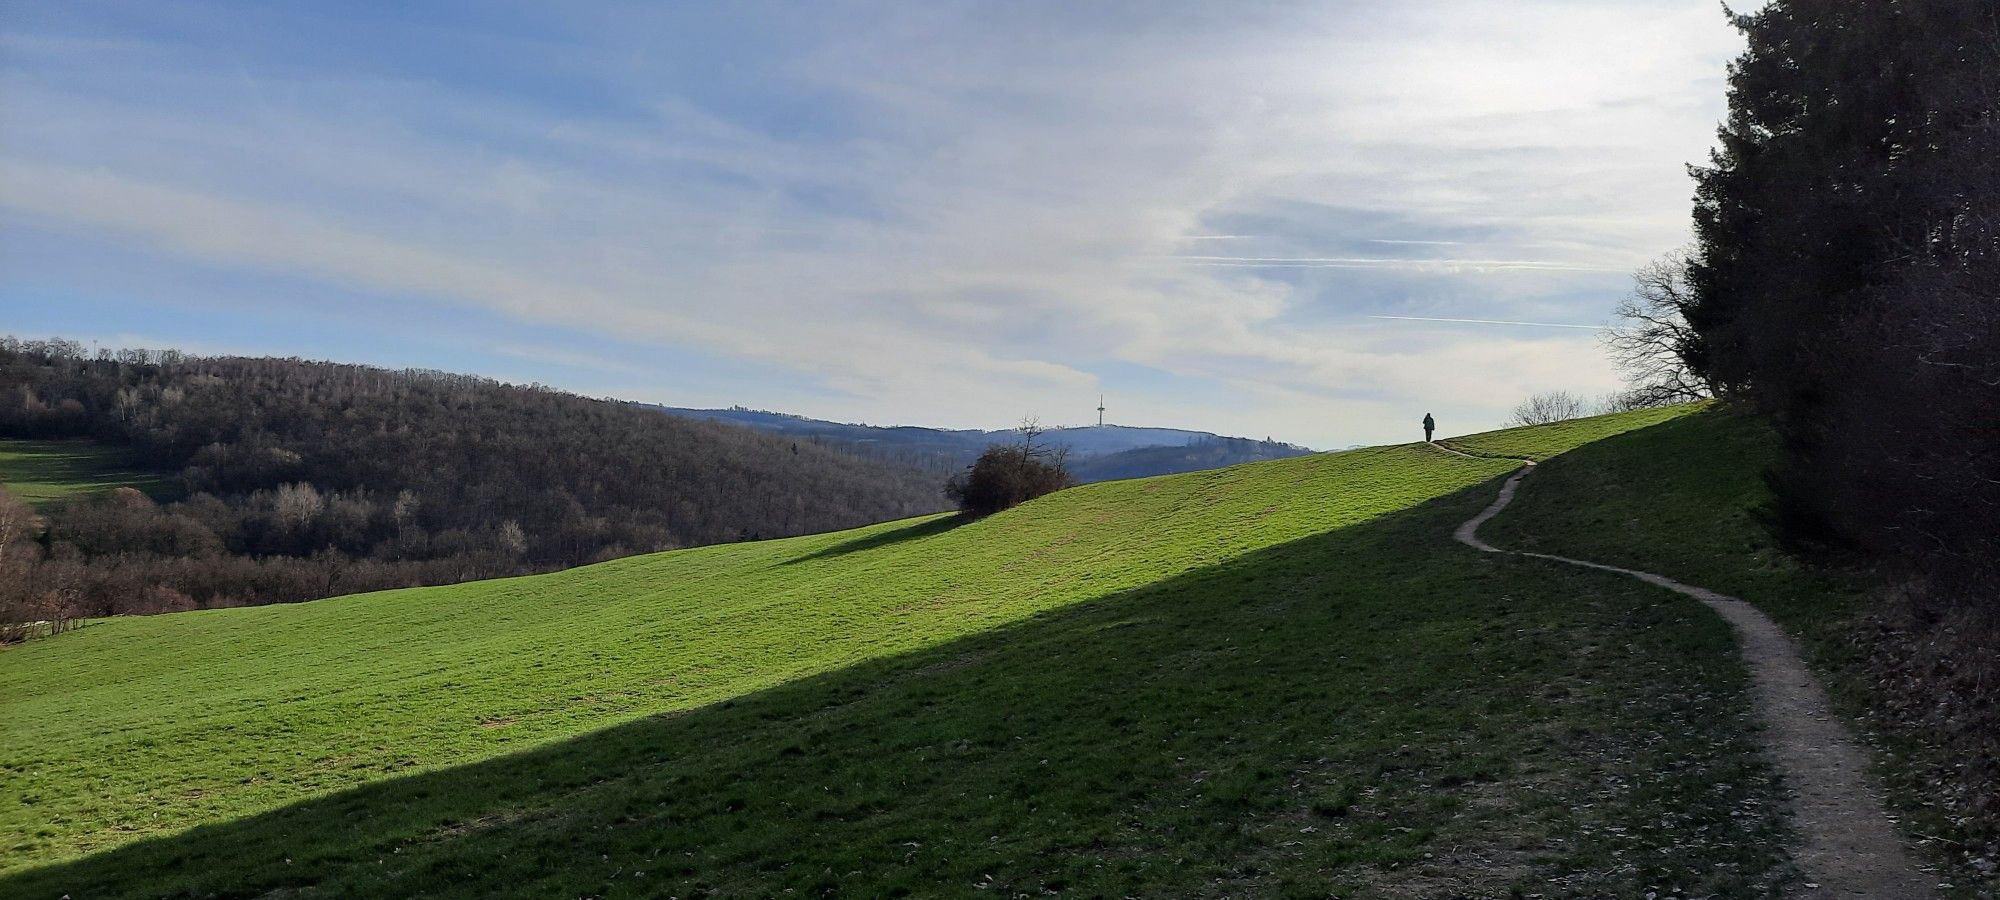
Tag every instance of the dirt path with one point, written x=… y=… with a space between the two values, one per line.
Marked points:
x=1462 y=455
x=1846 y=846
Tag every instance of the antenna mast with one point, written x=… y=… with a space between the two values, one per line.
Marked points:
x=1100 y=410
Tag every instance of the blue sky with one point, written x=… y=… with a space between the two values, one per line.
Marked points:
x=947 y=214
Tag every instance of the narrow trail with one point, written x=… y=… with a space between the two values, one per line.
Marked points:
x=1846 y=845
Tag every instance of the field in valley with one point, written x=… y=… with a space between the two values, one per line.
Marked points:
x=45 y=473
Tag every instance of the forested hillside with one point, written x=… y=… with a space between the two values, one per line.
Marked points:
x=306 y=479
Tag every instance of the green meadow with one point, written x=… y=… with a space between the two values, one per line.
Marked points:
x=1281 y=678
x=1542 y=442
x=1681 y=498
x=45 y=473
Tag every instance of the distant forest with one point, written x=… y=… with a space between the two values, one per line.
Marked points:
x=1201 y=453
x=310 y=479
x=1094 y=453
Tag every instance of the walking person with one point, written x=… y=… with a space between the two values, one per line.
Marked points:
x=1430 y=425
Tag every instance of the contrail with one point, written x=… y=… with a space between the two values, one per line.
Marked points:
x=1491 y=322
x=1372 y=262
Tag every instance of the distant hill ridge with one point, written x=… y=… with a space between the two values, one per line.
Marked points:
x=1097 y=452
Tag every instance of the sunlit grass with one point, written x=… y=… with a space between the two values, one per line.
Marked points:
x=46 y=473
x=1544 y=441
x=1281 y=677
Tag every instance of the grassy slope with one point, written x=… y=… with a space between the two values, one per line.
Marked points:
x=1289 y=679
x=1680 y=499
x=45 y=473
x=1544 y=441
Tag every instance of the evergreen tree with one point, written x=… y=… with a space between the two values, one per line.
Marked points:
x=1844 y=272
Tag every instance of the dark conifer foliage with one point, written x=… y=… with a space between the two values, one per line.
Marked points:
x=1847 y=274
x=308 y=479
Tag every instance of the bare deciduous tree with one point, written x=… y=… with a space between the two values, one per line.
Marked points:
x=1653 y=343
x=298 y=505
x=512 y=540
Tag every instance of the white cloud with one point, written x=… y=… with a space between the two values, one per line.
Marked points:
x=995 y=225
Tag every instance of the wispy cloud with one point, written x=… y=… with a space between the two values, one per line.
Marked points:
x=947 y=214
x=1489 y=322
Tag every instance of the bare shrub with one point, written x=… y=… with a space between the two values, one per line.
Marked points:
x=47 y=601
x=1549 y=406
x=1936 y=682
x=1631 y=399
x=1007 y=475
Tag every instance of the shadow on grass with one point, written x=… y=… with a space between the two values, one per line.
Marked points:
x=1287 y=718
x=923 y=529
